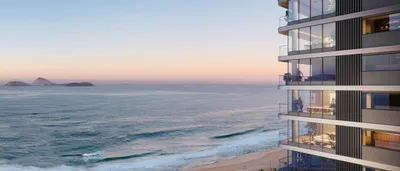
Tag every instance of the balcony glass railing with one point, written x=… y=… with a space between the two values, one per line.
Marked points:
x=283 y=50
x=283 y=108
x=320 y=137
x=315 y=103
x=297 y=161
x=283 y=21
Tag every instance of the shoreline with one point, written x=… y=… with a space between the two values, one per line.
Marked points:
x=265 y=160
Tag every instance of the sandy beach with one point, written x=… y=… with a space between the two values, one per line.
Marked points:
x=251 y=162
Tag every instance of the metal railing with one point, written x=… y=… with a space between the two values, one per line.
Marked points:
x=283 y=50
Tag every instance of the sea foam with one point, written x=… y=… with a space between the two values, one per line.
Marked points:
x=234 y=148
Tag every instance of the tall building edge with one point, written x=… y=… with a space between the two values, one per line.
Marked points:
x=364 y=135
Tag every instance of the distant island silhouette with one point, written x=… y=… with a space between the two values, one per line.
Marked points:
x=42 y=81
x=16 y=83
x=45 y=82
x=82 y=84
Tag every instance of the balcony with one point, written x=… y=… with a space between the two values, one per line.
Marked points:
x=296 y=161
x=306 y=103
x=288 y=79
x=314 y=139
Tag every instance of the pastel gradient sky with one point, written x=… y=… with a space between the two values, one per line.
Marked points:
x=198 y=41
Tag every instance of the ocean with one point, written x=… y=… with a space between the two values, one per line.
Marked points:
x=134 y=127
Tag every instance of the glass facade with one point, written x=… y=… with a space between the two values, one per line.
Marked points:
x=304 y=39
x=305 y=68
x=381 y=23
x=381 y=101
x=322 y=37
x=386 y=62
x=315 y=103
x=329 y=31
x=316 y=70
x=304 y=9
x=329 y=6
x=316 y=37
x=316 y=136
x=316 y=8
x=329 y=68
x=379 y=139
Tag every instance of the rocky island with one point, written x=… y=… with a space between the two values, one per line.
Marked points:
x=82 y=84
x=42 y=82
x=16 y=83
x=45 y=82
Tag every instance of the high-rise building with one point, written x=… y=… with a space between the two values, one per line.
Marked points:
x=342 y=83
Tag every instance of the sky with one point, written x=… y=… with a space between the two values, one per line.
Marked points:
x=191 y=41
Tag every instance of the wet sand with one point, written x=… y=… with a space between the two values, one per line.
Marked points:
x=265 y=160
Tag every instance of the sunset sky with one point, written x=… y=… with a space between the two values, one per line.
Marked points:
x=194 y=41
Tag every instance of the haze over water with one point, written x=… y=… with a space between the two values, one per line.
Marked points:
x=134 y=127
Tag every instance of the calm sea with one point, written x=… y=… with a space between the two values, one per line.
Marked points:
x=134 y=127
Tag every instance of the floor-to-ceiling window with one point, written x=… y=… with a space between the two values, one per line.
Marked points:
x=316 y=37
x=329 y=67
x=309 y=9
x=304 y=39
x=316 y=8
x=329 y=37
x=304 y=11
x=329 y=6
x=316 y=70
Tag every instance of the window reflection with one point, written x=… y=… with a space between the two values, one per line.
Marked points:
x=329 y=6
x=384 y=62
x=304 y=9
x=329 y=39
x=305 y=39
x=329 y=66
x=316 y=69
x=316 y=37
x=305 y=67
x=316 y=8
